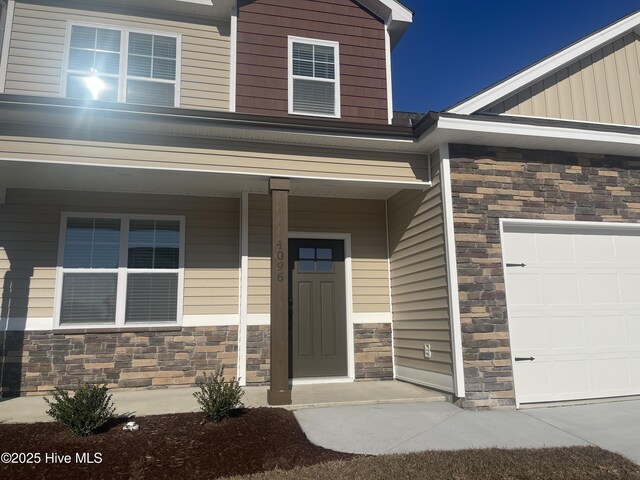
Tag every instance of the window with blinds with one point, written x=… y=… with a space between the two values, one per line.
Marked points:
x=119 y=270
x=118 y=65
x=314 y=87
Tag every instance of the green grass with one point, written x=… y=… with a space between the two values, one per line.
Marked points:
x=574 y=463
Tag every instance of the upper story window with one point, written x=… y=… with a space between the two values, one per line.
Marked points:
x=118 y=65
x=314 y=77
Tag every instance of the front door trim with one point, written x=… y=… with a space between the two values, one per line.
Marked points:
x=346 y=237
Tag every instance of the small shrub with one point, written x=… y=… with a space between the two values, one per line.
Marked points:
x=84 y=412
x=216 y=397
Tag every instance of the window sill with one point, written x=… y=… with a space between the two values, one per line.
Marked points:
x=136 y=329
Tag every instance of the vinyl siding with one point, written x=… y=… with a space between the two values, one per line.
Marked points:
x=363 y=219
x=263 y=28
x=36 y=52
x=30 y=224
x=603 y=87
x=419 y=291
x=243 y=158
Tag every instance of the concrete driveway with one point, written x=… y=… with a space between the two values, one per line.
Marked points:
x=377 y=429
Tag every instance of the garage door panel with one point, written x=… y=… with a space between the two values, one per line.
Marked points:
x=575 y=308
x=609 y=332
x=600 y=288
x=538 y=377
x=567 y=334
x=522 y=247
x=561 y=288
x=632 y=325
x=630 y=288
x=571 y=377
x=592 y=249
x=527 y=290
x=554 y=248
x=627 y=248
x=528 y=335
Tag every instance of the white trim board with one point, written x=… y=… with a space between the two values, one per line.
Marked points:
x=243 y=301
x=363 y=318
x=214 y=320
x=424 y=378
x=452 y=272
x=549 y=65
x=28 y=324
x=233 y=57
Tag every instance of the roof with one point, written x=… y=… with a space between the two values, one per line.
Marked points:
x=547 y=65
x=397 y=17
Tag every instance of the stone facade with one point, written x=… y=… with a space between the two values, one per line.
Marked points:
x=492 y=183
x=258 y=354
x=34 y=363
x=373 y=351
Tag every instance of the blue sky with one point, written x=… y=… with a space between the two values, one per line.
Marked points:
x=456 y=48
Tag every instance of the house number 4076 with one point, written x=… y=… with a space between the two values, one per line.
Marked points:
x=280 y=264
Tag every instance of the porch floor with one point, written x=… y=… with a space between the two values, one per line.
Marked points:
x=180 y=400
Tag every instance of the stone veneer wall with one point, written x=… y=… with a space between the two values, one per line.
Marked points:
x=373 y=353
x=491 y=183
x=258 y=354
x=33 y=363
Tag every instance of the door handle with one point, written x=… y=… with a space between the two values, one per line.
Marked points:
x=524 y=359
x=515 y=265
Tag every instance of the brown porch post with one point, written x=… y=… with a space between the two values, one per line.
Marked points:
x=279 y=393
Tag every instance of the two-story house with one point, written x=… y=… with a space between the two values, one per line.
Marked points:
x=188 y=184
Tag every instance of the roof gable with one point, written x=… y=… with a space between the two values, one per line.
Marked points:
x=549 y=65
x=602 y=87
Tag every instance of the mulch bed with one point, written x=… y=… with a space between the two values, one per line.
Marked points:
x=179 y=446
x=571 y=463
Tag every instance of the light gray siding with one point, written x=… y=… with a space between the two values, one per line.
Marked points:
x=419 y=289
x=602 y=87
x=36 y=51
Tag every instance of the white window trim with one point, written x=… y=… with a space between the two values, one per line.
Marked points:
x=122 y=271
x=124 y=54
x=335 y=80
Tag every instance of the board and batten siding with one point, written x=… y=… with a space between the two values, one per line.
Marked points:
x=602 y=87
x=36 y=51
x=419 y=289
x=29 y=232
x=245 y=158
x=363 y=219
x=263 y=30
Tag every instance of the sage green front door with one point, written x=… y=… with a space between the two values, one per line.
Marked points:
x=317 y=308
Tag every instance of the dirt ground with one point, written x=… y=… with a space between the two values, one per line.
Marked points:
x=179 y=446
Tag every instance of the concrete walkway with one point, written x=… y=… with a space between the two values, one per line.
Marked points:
x=181 y=400
x=377 y=429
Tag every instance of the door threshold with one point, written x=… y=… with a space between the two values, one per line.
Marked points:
x=319 y=380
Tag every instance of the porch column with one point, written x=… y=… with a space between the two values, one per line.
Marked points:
x=279 y=393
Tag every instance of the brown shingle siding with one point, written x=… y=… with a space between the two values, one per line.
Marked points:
x=262 y=63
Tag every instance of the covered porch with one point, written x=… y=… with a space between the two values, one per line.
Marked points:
x=256 y=253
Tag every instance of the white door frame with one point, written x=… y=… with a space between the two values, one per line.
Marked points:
x=346 y=237
x=560 y=225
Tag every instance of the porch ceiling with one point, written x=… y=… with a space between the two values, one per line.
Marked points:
x=22 y=174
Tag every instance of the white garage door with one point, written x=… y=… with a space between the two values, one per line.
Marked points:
x=574 y=308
